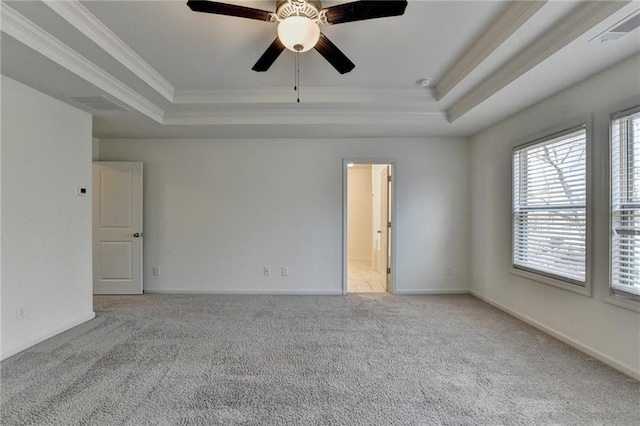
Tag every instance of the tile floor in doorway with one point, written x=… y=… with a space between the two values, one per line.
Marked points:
x=362 y=279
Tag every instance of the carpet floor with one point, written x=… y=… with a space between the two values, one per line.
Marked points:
x=371 y=359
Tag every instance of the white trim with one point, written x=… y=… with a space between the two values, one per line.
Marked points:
x=586 y=16
x=28 y=33
x=302 y=116
x=621 y=109
x=89 y=25
x=442 y=291
x=628 y=370
x=310 y=95
x=622 y=302
x=394 y=197
x=555 y=282
x=248 y=292
x=6 y=353
x=513 y=17
x=585 y=121
x=632 y=108
x=345 y=226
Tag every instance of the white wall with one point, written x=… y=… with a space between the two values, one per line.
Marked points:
x=608 y=332
x=359 y=213
x=217 y=211
x=46 y=227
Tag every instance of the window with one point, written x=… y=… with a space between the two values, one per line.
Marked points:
x=625 y=203
x=549 y=208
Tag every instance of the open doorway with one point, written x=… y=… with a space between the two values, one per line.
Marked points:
x=368 y=212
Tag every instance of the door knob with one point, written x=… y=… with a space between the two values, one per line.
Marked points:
x=136 y=235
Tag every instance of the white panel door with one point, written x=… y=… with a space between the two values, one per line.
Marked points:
x=117 y=227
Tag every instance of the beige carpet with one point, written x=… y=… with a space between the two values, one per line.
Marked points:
x=296 y=360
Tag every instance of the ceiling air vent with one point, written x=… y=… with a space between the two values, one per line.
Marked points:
x=99 y=103
x=621 y=28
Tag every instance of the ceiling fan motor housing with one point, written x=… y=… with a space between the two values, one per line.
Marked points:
x=299 y=24
x=308 y=8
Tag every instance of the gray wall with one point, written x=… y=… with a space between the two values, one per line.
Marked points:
x=595 y=324
x=217 y=211
x=46 y=227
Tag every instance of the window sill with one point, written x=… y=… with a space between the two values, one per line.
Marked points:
x=623 y=302
x=584 y=291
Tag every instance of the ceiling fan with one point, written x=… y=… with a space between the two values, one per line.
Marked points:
x=299 y=24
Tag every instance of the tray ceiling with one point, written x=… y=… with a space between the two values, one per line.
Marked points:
x=186 y=74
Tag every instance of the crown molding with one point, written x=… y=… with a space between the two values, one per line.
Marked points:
x=583 y=18
x=89 y=25
x=308 y=116
x=512 y=18
x=320 y=95
x=28 y=33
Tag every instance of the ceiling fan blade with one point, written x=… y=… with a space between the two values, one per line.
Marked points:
x=333 y=55
x=228 y=9
x=361 y=10
x=269 y=56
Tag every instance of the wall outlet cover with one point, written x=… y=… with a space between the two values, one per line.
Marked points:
x=21 y=312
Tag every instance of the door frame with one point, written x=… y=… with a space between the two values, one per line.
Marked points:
x=392 y=243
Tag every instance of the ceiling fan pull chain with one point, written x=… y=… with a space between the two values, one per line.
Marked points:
x=298 y=74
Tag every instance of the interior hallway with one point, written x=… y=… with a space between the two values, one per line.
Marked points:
x=362 y=279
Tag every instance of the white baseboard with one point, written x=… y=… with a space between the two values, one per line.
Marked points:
x=629 y=371
x=249 y=292
x=6 y=353
x=300 y=293
x=433 y=291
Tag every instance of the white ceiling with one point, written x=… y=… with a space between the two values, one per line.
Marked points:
x=187 y=74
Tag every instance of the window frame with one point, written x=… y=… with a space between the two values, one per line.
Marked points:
x=539 y=137
x=618 y=298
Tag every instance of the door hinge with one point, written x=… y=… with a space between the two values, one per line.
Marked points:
x=389 y=178
x=388 y=224
x=388 y=270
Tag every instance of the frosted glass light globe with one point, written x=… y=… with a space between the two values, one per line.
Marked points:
x=298 y=33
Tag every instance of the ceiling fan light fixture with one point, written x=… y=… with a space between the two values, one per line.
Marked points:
x=298 y=33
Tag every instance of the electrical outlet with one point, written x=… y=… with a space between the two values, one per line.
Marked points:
x=156 y=271
x=266 y=271
x=448 y=271
x=285 y=271
x=21 y=312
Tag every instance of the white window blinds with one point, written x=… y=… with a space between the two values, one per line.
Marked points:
x=625 y=203
x=549 y=206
